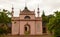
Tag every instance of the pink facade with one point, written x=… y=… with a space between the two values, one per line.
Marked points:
x=27 y=22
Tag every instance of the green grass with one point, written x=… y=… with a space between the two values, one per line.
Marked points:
x=26 y=36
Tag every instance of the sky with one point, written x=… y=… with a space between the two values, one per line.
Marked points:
x=49 y=6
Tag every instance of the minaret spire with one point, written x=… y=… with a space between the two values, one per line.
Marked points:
x=38 y=11
x=12 y=10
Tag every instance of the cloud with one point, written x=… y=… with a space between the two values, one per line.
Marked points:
x=49 y=6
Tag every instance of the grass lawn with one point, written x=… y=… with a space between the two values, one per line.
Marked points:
x=26 y=36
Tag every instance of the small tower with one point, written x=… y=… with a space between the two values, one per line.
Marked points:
x=38 y=11
x=12 y=12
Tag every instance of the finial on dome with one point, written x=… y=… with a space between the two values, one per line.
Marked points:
x=25 y=7
x=25 y=4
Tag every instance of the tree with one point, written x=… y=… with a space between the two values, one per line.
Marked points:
x=54 y=24
x=44 y=22
x=4 y=17
x=44 y=19
x=4 y=20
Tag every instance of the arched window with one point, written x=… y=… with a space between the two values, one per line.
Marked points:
x=26 y=17
x=27 y=29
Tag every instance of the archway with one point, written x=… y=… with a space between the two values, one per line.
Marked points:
x=27 y=29
x=44 y=30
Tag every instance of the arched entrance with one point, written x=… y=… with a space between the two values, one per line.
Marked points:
x=27 y=29
x=44 y=30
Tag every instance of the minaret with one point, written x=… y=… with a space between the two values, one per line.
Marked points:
x=38 y=11
x=12 y=12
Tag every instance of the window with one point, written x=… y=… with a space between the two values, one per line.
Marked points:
x=27 y=17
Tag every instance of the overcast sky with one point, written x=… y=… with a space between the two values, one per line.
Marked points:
x=49 y=6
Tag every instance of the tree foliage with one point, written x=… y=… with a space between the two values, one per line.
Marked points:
x=44 y=19
x=4 y=20
x=54 y=24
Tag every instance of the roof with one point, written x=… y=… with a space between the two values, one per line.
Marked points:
x=27 y=11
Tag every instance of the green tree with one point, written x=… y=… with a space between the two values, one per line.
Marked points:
x=4 y=20
x=44 y=19
x=54 y=24
x=4 y=17
x=44 y=22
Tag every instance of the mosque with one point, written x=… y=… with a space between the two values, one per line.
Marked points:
x=27 y=23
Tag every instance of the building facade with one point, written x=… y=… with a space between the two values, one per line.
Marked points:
x=27 y=23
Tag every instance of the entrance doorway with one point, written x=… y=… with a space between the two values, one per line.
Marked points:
x=44 y=30
x=27 y=29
